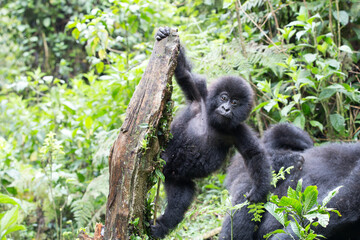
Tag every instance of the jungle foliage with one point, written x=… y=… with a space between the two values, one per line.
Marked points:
x=69 y=68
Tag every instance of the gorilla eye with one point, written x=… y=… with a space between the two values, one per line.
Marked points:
x=224 y=97
x=234 y=102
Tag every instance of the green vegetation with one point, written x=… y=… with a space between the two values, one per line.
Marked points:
x=69 y=68
x=299 y=211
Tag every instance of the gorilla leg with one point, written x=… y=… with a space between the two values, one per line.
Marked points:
x=180 y=193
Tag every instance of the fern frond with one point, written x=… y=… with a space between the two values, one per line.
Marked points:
x=87 y=209
x=83 y=211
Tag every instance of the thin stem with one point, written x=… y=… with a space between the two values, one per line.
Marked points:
x=157 y=199
x=52 y=195
x=338 y=27
x=242 y=42
x=330 y=18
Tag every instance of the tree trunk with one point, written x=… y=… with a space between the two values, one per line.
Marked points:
x=133 y=156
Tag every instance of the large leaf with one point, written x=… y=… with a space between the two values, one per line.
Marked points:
x=7 y=200
x=310 y=195
x=330 y=195
x=14 y=229
x=291 y=202
x=338 y=122
x=8 y=220
x=279 y=216
x=343 y=17
x=296 y=228
x=327 y=93
x=322 y=218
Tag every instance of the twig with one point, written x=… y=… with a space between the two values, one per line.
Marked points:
x=114 y=50
x=338 y=26
x=262 y=31
x=276 y=10
x=157 y=199
x=243 y=50
x=46 y=52
x=330 y=18
x=212 y=233
x=355 y=107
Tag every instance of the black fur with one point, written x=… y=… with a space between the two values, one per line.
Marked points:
x=326 y=166
x=203 y=133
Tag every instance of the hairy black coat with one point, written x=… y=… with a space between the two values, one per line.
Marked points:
x=327 y=167
x=203 y=133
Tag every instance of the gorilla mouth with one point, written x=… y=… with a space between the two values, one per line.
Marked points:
x=224 y=114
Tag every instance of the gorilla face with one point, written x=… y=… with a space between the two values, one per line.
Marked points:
x=229 y=102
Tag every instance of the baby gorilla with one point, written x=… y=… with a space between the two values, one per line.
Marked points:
x=203 y=133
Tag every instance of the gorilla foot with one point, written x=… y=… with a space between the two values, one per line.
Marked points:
x=159 y=231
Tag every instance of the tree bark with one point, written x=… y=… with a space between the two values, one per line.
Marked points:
x=132 y=157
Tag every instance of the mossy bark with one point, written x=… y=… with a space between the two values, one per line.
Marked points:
x=132 y=157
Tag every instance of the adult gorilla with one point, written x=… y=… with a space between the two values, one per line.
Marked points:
x=327 y=167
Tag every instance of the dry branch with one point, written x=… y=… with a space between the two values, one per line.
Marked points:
x=130 y=163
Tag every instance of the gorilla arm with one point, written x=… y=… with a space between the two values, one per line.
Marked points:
x=256 y=162
x=192 y=85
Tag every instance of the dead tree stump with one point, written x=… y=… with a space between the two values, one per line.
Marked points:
x=131 y=159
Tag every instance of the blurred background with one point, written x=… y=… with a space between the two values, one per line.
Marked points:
x=68 y=69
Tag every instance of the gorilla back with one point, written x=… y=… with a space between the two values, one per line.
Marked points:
x=327 y=167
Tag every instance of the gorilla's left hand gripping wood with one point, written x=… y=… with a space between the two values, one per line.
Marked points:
x=129 y=165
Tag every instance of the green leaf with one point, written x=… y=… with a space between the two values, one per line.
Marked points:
x=327 y=93
x=296 y=23
x=338 y=122
x=317 y=124
x=292 y=193
x=100 y=67
x=345 y=48
x=285 y=111
x=69 y=106
x=291 y=202
x=343 y=17
x=296 y=228
x=299 y=186
x=259 y=106
x=312 y=236
x=310 y=195
x=322 y=219
x=88 y=122
x=8 y=219
x=300 y=121
x=5 y=199
x=75 y=33
x=333 y=63
x=102 y=54
x=330 y=195
x=279 y=216
x=14 y=229
x=46 y=22
x=272 y=104
x=323 y=47
x=309 y=58
x=160 y=174
x=273 y=233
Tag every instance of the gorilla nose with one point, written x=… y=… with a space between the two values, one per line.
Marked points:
x=226 y=109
